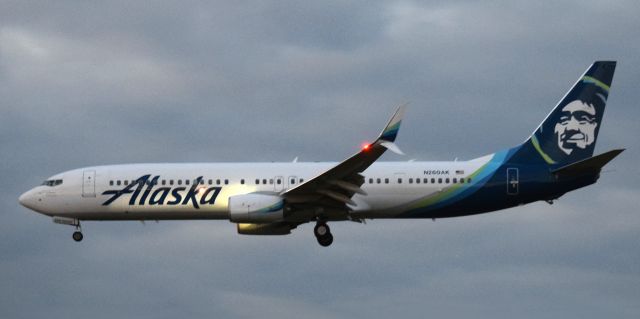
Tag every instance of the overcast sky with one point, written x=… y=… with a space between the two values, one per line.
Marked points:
x=85 y=83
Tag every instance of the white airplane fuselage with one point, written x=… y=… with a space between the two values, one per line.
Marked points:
x=81 y=195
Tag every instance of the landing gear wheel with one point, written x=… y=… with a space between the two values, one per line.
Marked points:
x=323 y=234
x=321 y=229
x=326 y=240
x=77 y=236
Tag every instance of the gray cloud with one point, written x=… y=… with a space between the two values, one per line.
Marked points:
x=99 y=83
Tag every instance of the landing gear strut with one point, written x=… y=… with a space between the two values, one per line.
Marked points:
x=323 y=234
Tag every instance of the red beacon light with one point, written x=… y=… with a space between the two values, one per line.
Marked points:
x=366 y=146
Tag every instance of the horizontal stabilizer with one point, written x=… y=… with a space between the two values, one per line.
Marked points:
x=589 y=165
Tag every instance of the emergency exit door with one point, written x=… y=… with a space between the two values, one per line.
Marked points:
x=279 y=183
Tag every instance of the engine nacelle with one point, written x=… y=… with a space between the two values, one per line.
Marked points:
x=256 y=208
x=263 y=229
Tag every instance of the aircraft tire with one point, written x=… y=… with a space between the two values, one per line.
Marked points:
x=77 y=236
x=326 y=240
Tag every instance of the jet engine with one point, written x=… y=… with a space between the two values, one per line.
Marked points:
x=256 y=208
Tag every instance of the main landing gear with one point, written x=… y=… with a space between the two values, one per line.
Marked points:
x=323 y=234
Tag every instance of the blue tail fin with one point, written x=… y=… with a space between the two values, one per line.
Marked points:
x=569 y=133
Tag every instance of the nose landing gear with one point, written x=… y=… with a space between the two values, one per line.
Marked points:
x=77 y=235
x=323 y=234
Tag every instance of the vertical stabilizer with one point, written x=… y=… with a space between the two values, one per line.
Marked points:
x=569 y=133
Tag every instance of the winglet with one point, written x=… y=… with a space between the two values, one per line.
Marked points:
x=391 y=130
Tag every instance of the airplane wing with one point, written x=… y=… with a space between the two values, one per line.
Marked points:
x=329 y=193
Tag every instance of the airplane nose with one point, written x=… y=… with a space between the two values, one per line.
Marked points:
x=27 y=199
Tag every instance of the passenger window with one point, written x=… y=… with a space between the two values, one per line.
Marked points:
x=378 y=180
x=301 y=180
x=447 y=180
x=170 y=182
x=179 y=182
x=226 y=182
x=439 y=180
x=186 y=182
x=164 y=182
x=410 y=180
x=386 y=181
x=425 y=180
x=257 y=181
x=417 y=181
x=217 y=182
x=455 y=180
x=433 y=181
x=110 y=183
x=118 y=182
x=462 y=181
x=126 y=182
x=242 y=181
x=399 y=180
x=370 y=180
x=210 y=182
x=293 y=181
x=271 y=181
x=468 y=180
x=264 y=181
x=278 y=181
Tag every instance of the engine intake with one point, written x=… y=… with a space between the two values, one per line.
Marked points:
x=256 y=208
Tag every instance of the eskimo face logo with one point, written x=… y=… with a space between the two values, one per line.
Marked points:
x=577 y=126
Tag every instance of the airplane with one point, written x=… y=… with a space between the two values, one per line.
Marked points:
x=275 y=198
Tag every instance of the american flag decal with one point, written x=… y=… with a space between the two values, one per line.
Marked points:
x=460 y=172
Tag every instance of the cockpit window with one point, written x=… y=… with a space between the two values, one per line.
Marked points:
x=52 y=182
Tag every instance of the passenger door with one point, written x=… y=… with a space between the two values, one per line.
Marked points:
x=89 y=184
